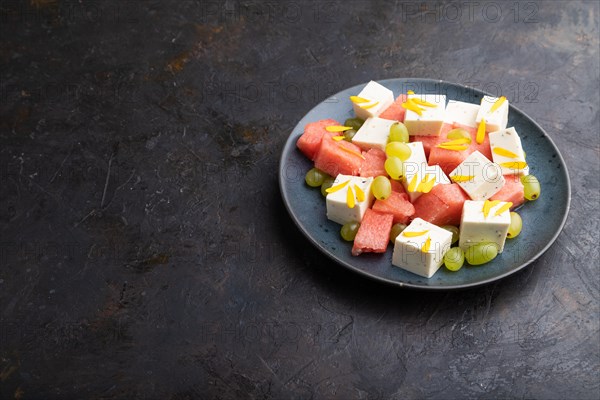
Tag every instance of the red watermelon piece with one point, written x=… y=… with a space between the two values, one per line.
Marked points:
x=454 y=197
x=448 y=160
x=511 y=191
x=442 y=205
x=395 y=111
x=430 y=208
x=484 y=148
x=338 y=157
x=310 y=140
x=431 y=141
x=399 y=188
x=397 y=205
x=373 y=165
x=373 y=234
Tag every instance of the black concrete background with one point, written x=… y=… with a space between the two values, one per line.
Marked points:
x=145 y=249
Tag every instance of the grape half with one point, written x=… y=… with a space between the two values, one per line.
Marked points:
x=381 y=188
x=355 y=123
x=349 y=230
x=398 y=149
x=396 y=230
x=516 y=224
x=327 y=183
x=454 y=230
x=454 y=259
x=394 y=167
x=398 y=133
x=481 y=253
x=531 y=186
x=315 y=177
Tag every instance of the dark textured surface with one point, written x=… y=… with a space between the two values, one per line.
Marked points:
x=146 y=252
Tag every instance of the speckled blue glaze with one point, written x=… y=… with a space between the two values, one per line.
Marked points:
x=543 y=219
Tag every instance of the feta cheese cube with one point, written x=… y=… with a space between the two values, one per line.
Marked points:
x=430 y=122
x=411 y=252
x=496 y=120
x=461 y=113
x=475 y=227
x=413 y=165
x=338 y=209
x=380 y=98
x=416 y=182
x=503 y=143
x=478 y=176
x=373 y=133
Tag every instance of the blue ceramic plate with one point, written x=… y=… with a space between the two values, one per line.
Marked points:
x=543 y=219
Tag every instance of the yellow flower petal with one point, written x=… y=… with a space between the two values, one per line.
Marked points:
x=412 y=186
x=410 y=92
x=350 y=198
x=368 y=106
x=501 y=151
x=420 y=102
x=460 y=147
x=357 y=100
x=505 y=207
x=337 y=128
x=462 y=178
x=426 y=245
x=497 y=104
x=480 y=132
x=487 y=206
x=360 y=194
x=514 y=164
x=457 y=142
x=414 y=234
x=409 y=105
x=335 y=188
x=338 y=138
x=354 y=153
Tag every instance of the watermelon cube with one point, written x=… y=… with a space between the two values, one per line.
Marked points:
x=373 y=164
x=338 y=157
x=398 y=187
x=431 y=141
x=442 y=205
x=397 y=205
x=448 y=160
x=373 y=234
x=310 y=140
x=395 y=111
x=511 y=191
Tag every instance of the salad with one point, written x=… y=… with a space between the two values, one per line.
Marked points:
x=438 y=179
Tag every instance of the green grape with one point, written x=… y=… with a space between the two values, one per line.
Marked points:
x=454 y=259
x=398 y=149
x=349 y=134
x=394 y=167
x=454 y=230
x=315 y=177
x=459 y=133
x=381 y=188
x=355 y=123
x=481 y=253
x=396 y=230
x=398 y=133
x=516 y=224
x=327 y=183
x=532 y=187
x=349 y=231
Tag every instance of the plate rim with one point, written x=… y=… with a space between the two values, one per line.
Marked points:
x=302 y=229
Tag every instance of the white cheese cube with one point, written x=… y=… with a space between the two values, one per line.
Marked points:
x=415 y=164
x=496 y=120
x=507 y=139
x=461 y=113
x=373 y=133
x=477 y=228
x=338 y=209
x=415 y=182
x=430 y=122
x=478 y=176
x=408 y=250
x=380 y=98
